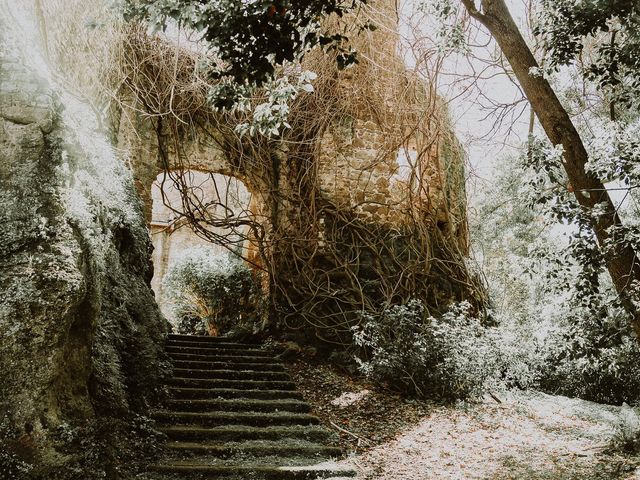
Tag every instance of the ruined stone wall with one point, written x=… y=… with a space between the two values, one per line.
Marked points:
x=359 y=153
x=392 y=149
x=343 y=217
x=81 y=337
x=357 y=170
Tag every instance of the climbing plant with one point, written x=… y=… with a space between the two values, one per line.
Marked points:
x=324 y=261
x=249 y=40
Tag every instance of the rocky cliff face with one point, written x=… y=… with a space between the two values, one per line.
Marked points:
x=80 y=334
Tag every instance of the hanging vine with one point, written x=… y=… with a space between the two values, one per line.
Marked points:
x=328 y=242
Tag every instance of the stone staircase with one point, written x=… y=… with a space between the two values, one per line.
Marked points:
x=234 y=413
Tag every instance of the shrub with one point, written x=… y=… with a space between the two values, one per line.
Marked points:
x=451 y=357
x=454 y=357
x=626 y=434
x=210 y=292
x=595 y=357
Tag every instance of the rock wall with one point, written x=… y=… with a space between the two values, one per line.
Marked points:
x=80 y=334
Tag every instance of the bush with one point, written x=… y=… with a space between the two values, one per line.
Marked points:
x=210 y=293
x=626 y=434
x=454 y=357
x=549 y=294
x=595 y=357
x=451 y=357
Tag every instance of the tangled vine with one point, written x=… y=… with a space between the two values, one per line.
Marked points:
x=336 y=227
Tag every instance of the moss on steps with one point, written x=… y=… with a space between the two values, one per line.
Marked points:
x=227 y=383
x=221 y=357
x=176 y=337
x=239 y=405
x=253 y=472
x=231 y=374
x=242 y=432
x=235 y=414
x=257 y=448
x=203 y=393
x=229 y=365
x=220 y=350
x=234 y=418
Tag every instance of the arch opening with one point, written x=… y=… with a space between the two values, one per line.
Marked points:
x=204 y=219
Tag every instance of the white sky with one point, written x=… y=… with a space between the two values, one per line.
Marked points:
x=469 y=108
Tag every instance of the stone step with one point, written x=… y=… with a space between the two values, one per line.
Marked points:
x=239 y=432
x=256 y=448
x=210 y=345
x=238 y=405
x=204 y=393
x=257 y=472
x=215 y=352
x=167 y=417
x=222 y=358
x=231 y=374
x=204 y=339
x=214 y=365
x=237 y=384
x=235 y=414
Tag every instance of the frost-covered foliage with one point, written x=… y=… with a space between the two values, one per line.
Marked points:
x=209 y=291
x=600 y=35
x=615 y=151
x=544 y=265
x=591 y=357
x=594 y=45
x=547 y=292
x=450 y=357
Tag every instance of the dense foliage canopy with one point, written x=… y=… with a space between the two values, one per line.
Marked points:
x=604 y=34
x=251 y=38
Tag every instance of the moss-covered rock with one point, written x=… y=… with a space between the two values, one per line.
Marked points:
x=81 y=336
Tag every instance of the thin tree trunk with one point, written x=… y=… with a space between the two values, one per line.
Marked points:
x=621 y=262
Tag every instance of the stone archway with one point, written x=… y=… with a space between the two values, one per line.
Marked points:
x=341 y=234
x=171 y=233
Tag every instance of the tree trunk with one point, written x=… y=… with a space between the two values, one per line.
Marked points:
x=621 y=261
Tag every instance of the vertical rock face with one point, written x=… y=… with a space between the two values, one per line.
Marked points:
x=80 y=334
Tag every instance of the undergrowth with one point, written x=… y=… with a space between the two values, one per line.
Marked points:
x=449 y=357
x=211 y=293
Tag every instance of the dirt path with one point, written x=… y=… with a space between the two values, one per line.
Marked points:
x=529 y=436
x=532 y=436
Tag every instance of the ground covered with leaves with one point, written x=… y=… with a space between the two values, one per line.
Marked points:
x=517 y=435
x=361 y=414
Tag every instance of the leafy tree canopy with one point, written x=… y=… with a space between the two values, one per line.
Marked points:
x=251 y=37
x=566 y=26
